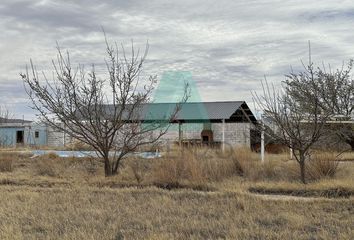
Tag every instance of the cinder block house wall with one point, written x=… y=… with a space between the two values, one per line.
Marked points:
x=236 y=134
x=57 y=138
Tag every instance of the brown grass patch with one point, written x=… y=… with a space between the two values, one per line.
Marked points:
x=328 y=189
x=6 y=163
x=322 y=165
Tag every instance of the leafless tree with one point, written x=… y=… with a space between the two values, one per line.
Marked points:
x=335 y=92
x=294 y=127
x=105 y=114
x=5 y=117
x=5 y=114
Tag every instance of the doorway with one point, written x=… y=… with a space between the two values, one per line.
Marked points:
x=19 y=137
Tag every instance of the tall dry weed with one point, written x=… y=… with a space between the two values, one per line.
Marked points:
x=6 y=163
x=322 y=165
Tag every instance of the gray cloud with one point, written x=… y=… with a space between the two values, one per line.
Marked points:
x=227 y=45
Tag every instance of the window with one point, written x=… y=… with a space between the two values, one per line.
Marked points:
x=36 y=134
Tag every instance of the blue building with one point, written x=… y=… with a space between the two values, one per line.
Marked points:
x=18 y=132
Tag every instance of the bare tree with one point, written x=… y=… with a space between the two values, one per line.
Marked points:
x=5 y=117
x=294 y=127
x=5 y=114
x=335 y=93
x=105 y=114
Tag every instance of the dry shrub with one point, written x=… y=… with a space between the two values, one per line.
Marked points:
x=47 y=165
x=200 y=165
x=290 y=171
x=257 y=171
x=322 y=165
x=176 y=169
x=139 y=168
x=196 y=165
x=245 y=162
x=6 y=163
x=51 y=155
x=52 y=165
x=276 y=167
x=92 y=166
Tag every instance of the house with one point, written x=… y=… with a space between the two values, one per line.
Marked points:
x=221 y=123
x=19 y=132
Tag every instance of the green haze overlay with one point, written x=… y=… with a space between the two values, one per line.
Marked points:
x=171 y=89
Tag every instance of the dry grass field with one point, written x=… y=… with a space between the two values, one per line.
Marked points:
x=190 y=194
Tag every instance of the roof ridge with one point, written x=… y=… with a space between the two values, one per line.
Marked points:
x=195 y=102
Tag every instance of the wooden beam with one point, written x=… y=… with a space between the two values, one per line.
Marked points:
x=244 y=113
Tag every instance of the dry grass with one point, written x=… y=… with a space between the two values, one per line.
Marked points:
x=85 y=213
x=325 y=188
x=322 y=165
x=57 y=198
x=197 y=165
x=6 y=164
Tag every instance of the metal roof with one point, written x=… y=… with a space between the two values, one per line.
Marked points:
x=232 y=111
x=192 y=110
x=13 y=120
x=8 y=122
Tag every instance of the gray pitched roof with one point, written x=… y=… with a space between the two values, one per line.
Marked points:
x=192 y=110
x=6 y=122
x=13 y=120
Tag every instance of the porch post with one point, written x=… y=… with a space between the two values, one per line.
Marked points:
x=180 y=133
x=262 y=143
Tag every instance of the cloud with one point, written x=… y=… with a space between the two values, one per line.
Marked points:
x=228 y=46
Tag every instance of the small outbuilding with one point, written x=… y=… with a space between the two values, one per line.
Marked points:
x=19 y=132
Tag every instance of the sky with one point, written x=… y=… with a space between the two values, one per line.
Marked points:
x=228 y=46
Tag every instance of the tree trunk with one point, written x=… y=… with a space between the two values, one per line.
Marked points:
x=302 y=167
x=108 y=169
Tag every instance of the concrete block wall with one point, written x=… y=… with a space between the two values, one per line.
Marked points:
x=57 y=138
x=236 y=134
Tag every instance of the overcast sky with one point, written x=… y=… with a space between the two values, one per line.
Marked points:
x=227 y=45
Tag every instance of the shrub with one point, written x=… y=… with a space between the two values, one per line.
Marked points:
x=45 y=168
x=47 y=165
x=51 y=155
x=195 y=165
x=91 y=167
x=139 y=169
x=6 y=163
x=174 y=170
x=245 y=162
x=322 y=165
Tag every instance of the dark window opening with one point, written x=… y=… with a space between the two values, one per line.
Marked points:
x=19 y=136
x=36 y=134
x=205 y=138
